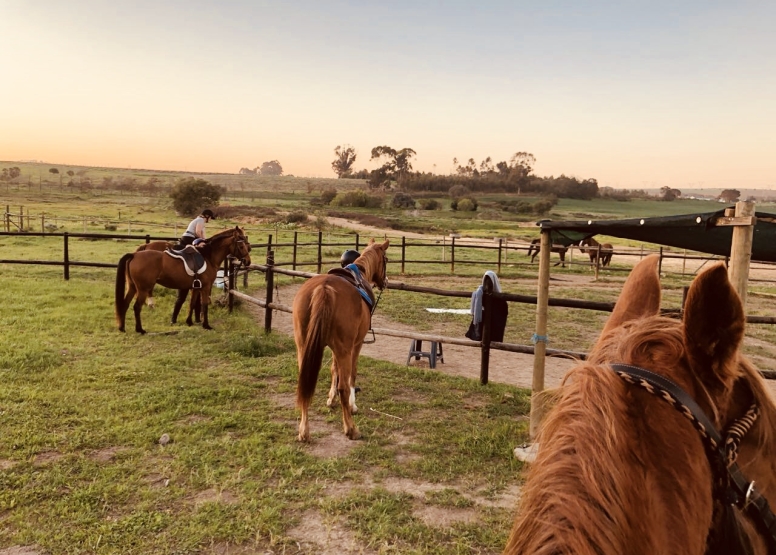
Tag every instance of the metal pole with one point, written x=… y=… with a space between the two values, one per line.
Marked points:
x=499 y=257
x=230 y=281
x=320 y=241
x=452 y=255
x=293 y=258
x=540 y=337
x=403 y=250
x=67 y=258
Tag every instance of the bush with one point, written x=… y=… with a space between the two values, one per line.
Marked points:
x=543 y=206
x=190 y=196
x=296 y=217
x=458 y=191
x=403 y=200
x=328 y=195
x=429 y=204
x=357 y=198
x=464 y=205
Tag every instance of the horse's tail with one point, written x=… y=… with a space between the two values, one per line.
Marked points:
x=121 y=285
x=317 y=337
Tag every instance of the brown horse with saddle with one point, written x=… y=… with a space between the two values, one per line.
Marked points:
x=335 y=310
x=138 y=272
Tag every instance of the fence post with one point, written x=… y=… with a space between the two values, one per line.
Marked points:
x=741 y=250
x=270 y=285
x=148 y=238
x=403 y=250
x=21 y=218
x=452 y=255
x=293 y=256
x=269 y=244
x=540 y=337
x=67 y=258
x=357 y=242
x=684 y=261
x=660 y=263
x=7 y=218
x=597 y=260
x=320 y=242
x=499 y=256
x=231 y=278
x=487 y=310
x=42 y=223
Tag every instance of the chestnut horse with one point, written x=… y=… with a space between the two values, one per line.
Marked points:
x=629 y=458
x=560 y=249
x=195 y=307
x=592 y=250
x=138 y=272
x=329 y=311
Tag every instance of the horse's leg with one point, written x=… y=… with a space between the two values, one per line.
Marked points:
x=138 y=306
x=122 y=314
x=204 y=296
x=196 y=306
x=150 y=299
x=182 y=293
x=194 y=296
x=334 y=379
x=347 y=390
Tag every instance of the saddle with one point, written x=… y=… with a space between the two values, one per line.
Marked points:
x=193 y=262
x=354 y=277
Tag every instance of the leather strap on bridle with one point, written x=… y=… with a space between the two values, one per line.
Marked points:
x=733 y=486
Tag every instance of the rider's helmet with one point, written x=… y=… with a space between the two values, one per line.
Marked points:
x=209 y=213
x=349 y=257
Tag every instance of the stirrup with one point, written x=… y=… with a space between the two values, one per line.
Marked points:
x=196 y=284
x=365 y=342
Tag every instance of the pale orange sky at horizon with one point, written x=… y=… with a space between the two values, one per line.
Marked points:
x=635 y=97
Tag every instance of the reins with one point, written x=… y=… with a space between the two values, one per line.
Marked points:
x=732 y=487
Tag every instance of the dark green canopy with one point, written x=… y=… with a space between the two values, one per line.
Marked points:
x=697 y=232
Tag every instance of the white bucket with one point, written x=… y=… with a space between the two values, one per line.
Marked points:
x=220 y=279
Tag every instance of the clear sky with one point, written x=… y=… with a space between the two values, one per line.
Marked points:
x=634 y=94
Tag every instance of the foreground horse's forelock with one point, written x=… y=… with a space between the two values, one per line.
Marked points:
x=620 y=470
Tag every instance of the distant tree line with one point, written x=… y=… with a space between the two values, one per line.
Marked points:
x=272 y=167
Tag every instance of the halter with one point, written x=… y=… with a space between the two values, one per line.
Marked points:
x=731 y=486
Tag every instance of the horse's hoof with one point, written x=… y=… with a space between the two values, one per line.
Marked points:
x=122 y=330
x=189 y=323
x=141 y=331
x=354 y=434
x=207 y=326
x=304 y=438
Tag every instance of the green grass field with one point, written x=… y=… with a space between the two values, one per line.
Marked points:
x=83 y=406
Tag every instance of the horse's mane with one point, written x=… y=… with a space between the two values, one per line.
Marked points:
x=372 y=261
x=578 y=495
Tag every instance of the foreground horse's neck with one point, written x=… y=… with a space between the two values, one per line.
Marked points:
x=218 y=248
x=370 y=264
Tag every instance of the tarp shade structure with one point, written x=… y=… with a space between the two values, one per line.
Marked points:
x=697 y=232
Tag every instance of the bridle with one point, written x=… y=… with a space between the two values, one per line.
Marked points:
x=731 y=486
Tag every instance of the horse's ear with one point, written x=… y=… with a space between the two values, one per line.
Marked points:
x=714 y=323
x=640 y=296
x=385 y=245
x=371 y=241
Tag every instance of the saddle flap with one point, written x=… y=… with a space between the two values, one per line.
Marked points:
x=193 y=261
x=354 y=277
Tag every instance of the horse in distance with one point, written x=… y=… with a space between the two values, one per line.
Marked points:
x=329 y=310
x=663 y=441
x=535 y=248
x=139 y=272
x=591 y=247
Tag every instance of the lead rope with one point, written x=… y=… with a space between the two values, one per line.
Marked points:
x=374 y=306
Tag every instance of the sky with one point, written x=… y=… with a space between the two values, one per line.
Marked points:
x=633 y=94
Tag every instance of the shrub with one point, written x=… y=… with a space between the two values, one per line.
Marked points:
x=429 y=204
x=357 y=198
x=458 y=191
x=543 y=206
x=403 y=200
x=466 y=205
x=296 y=217
x=190 y=196
x=328 y=195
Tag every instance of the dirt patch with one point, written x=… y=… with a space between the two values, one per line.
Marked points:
x=47 y=457
x=213 y=495
x=107 y=454
x=5 y=464
x=443 y=517
x=314 y=535
x=22 y=550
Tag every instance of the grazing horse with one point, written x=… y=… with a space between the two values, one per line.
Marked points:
x=195 y=307
x=330 y=311
x=592 y=250
x=560 y=249
x=138 y=272
x=630 y=459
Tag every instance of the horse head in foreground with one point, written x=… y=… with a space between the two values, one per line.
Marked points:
x=630 y=460
x=333 y=310
x=139 y=271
